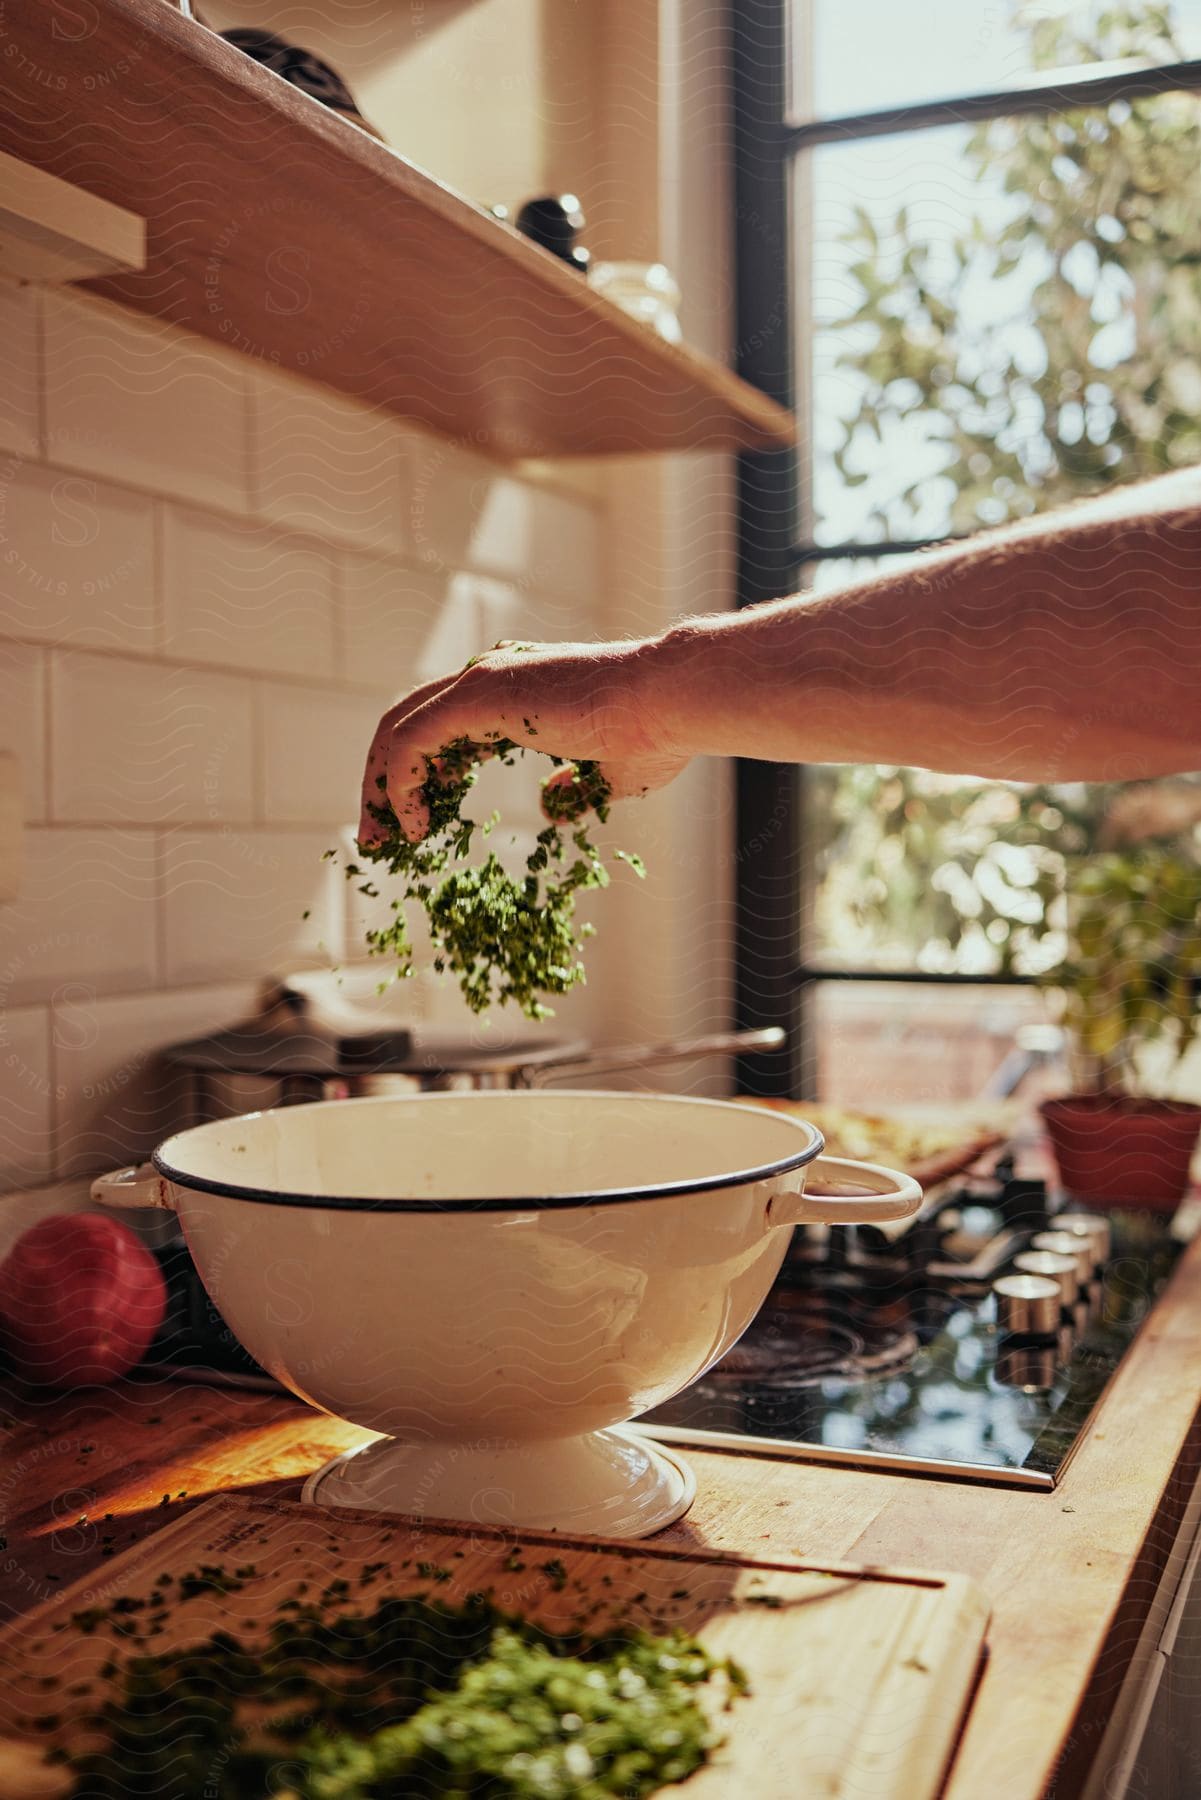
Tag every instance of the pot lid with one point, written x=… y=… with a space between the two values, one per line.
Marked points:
x=281 y=1038
x=283 y=1041
x=253 y=1049
x=440 y=1053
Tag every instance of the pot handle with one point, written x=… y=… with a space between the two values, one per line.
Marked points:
x=877 y=1196
x=140 y=1185
x=647 y=1056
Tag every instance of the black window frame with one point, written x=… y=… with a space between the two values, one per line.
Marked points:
x=772 y=978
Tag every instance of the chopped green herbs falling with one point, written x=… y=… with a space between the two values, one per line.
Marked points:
x=507 y=938
x=414 y=1698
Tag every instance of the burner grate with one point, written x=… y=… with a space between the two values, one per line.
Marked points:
x=802 y=1346
x=883 y=1351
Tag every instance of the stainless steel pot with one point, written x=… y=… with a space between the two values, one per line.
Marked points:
x=530 y=1063
x=283 y=1056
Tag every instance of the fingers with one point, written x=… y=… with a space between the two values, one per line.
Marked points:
x=375 y=773
x=576 y=701
x=415 y=741
x=627 y=778
x=567 y=795
x=487 y=684
x=480 y=705
x=562 y=778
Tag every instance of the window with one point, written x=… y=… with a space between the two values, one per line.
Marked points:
x=969 y=254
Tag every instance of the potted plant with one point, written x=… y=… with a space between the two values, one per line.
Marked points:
x=1127 y=993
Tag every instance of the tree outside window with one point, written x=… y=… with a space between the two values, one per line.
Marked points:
x=1043 y=344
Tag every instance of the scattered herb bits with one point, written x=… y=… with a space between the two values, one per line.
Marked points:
x=414 y=1698
x=507 y=938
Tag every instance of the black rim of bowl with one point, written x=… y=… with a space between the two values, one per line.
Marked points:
x=665 y=1190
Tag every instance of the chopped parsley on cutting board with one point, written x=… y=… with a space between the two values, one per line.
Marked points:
x=413 y=1698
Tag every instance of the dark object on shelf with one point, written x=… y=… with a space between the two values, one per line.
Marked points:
x=555 y=221
x=304 y=70
x=1123 y=1150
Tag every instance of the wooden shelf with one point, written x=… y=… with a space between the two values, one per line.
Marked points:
x=52 y=231
x=283 y=231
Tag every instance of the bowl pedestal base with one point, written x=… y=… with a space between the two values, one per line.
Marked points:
x=612 y=1483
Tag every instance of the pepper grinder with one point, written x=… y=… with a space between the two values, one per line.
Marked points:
x=555 y=221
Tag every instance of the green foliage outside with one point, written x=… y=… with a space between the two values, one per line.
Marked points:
x=1088 y=374
x=1127 y=982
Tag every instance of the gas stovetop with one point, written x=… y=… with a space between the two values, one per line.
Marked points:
x=890 y=1352
x=877 y=1348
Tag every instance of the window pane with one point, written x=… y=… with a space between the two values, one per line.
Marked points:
x=1004 y=317
x=852 y=56
x=943 y=874
x=916 y=871
x=841 y=571
x=998 y=320
x=909 y=870
x=884 y=1044
x=876 y=432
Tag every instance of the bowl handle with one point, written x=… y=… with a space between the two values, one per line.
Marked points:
x=140 y=1185
x=872 y=1195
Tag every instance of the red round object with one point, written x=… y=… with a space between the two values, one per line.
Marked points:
x=80 y=1300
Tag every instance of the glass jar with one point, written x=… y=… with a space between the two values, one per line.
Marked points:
x=647 y=291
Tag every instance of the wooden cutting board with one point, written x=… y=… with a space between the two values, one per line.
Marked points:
x=859 y=1677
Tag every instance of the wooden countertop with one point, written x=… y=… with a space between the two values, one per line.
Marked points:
x=1070 y=1574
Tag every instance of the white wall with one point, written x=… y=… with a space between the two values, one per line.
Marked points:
x=663 y=141
x=213 y=577
x=497 y=98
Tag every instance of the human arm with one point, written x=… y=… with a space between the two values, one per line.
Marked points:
x=1064 y=648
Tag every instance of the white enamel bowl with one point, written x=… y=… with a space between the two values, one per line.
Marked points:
x=494 y=1281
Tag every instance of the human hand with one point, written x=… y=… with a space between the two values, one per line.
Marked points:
x=598 y=702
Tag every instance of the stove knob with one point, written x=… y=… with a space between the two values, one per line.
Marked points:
x=1064 y=1244
x=1027 y=1306
x=1090 y=1226
x=1060 y=1269
x=1027 y=1366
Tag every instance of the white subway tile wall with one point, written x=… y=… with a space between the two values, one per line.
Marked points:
x=313 y=747
x=246 y=597
x=79 y=559
x=26 y=1145
x=213 y=578
x=88 y=912
x=134 y=401
x=115 y=1097
x=23 y=719
x=389 y=611
x=462 y=515
x=148 y=744
x=249 y=902
x=20 y=426
x=326 y=464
